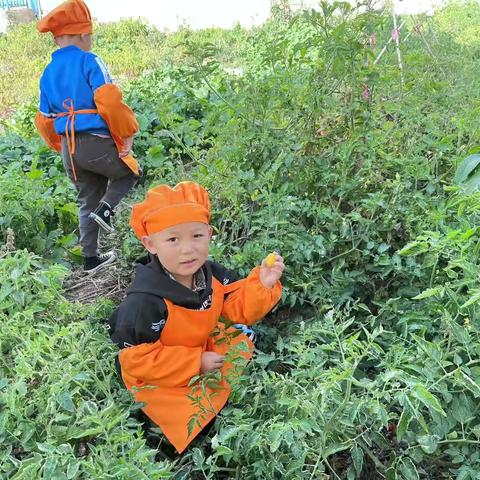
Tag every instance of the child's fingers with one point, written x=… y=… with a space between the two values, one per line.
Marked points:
x=265 y=264
x=278 y=267
x=279 y=264
x=217 y=365
x=271 y=260
x=218 y=361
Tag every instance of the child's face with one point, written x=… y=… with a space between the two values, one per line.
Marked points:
x=181 y=249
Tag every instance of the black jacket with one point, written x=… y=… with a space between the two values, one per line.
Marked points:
x=142 y=315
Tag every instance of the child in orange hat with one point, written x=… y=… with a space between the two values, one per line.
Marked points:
x=82 y=115
x=168 y=327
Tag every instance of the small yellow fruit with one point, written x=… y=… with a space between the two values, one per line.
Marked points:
x=270 y=260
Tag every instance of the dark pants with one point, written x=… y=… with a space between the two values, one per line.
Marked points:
x=101 y=176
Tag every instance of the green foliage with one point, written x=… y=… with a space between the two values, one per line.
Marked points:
x=24 y=54
x=62 y=411
x=459 y=19
x=369 y=369
x=36 y=201
x=466 y=174
x=128 y=47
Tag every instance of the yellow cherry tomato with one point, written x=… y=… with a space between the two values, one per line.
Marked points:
x=270 y=260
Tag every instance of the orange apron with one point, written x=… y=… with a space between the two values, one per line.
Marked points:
x=129 y=161
x=170 y=407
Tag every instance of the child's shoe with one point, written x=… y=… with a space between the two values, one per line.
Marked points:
x=94 y=264
x=103 y=216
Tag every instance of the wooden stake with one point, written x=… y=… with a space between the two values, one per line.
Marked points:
x=397 y=43
x=384 y=49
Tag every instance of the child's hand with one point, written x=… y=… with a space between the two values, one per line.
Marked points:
x=126 y=147
x=210 y=362
x=271 y=270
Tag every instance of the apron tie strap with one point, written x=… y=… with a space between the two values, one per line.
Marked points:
x=70 y=128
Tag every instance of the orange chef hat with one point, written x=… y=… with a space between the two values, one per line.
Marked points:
x=69 y=18
x=165 y=207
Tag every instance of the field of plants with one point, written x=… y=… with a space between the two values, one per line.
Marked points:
x=363 y=176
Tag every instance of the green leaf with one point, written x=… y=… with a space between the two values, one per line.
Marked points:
x=224 y=451
x=429 y=292
x=428 y=399
x=72 y=469
x=334 y=448
x=198 y=457
x=391 y=474
x=407 y=469
x=471 y=384
x=357 y=457
x=66 y=402
x=466 y=168
x=243 y=346
x=69 y=208
x=414 y=248
x=82 y=432
x=275 y=439
x=49 y=467
x=68 y=240
x=383 y=248
x=469 y=233
x=473 y=299
x=45 y=447
x=156 y=160
x=19 y=297
x=15 y=273
x=472 y=185
x=403 y=423
x=194 y=380
x=428 y=443
x=191 y=425
x=351 y=473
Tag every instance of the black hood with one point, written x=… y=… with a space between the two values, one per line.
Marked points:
x=152 y=279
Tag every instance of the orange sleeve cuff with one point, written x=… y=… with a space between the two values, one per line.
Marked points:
x=47 y=131
x=251 y=301
x=119 y=116
x=160 y=365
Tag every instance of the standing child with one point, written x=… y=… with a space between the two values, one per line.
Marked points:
x=83 y=116
x=168 y=327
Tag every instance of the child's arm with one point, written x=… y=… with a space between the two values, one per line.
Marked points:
x=136 y=327
x=256 y=295
x=118 y=115
x=44 y=123
x=161 y=365
x=108 y=98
